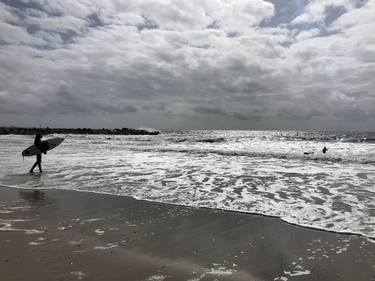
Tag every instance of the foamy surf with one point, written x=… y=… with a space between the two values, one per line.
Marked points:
x=243 y=171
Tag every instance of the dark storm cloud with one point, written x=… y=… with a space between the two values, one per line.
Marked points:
x=248 y=86
x=67 y=102
x=299 y=114
x=247 y=117
x=206 y=64
x=115 y=109
x=157 y=107
x=209 y=110
x=64 y=102
x=355 y=114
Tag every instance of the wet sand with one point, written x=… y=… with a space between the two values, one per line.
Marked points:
x=68 y=235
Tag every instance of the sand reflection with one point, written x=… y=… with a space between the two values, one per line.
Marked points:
x=32 y=196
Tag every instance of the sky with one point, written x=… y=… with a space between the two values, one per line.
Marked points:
x=188 y=64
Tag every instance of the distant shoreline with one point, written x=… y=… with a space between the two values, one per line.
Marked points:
x=84 y=131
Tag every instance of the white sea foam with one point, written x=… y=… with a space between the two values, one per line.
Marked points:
x=107 y=246
x=297 y=272
x=99 y=231
x=74 y=243
x=217 y=270
x=156 y=277
x=8 y=226
x=79 y=274
x=35 y=243
x=256 y=172
x=281 y=278
x=91 y=220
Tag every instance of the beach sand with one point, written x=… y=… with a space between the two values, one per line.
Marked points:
x=68 y=235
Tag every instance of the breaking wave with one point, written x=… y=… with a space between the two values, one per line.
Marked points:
x=260 y=172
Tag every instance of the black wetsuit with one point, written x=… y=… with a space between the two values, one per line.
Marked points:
x=38 y=144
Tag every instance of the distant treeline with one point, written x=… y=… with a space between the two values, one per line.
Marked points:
x=87 y=131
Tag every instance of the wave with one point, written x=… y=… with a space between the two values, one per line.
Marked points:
x=322 y=138
x=284 y=136
x=148 y=129
x=193 y=204
x=249 y=136
x=178 y=140
x=303 y=156
x=195 y=140
x=309 y=190
x=211 y=140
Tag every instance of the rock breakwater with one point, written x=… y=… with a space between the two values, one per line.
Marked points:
x=84 y=131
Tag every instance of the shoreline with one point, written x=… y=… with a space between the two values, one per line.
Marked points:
x=359 y=235
x=91 y=236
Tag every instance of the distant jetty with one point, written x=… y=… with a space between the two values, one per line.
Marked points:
x=83 y=131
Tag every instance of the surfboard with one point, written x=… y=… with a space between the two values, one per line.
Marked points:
x=46 y=145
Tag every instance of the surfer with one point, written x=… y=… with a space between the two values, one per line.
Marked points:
x=325 y=149
x=38 y=144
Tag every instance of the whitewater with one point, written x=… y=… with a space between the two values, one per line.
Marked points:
x=261 y=172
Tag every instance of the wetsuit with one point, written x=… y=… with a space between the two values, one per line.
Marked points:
x=38 y=144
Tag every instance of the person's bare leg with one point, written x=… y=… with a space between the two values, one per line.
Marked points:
x=32 y=169
x=39 y=161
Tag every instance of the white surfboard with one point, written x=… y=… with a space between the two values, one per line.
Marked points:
x=47 y=145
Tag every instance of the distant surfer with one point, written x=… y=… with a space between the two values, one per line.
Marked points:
x=325 y=149
x=38 y=144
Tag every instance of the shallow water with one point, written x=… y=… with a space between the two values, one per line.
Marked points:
x=263 y=172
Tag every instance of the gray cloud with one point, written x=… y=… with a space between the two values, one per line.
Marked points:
x=157 y=107
x=209 y=110
x=247 y=117
x=238 y=64
x=300 y=113
x=115 y=109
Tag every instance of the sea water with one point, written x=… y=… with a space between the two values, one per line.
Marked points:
x=263 y=172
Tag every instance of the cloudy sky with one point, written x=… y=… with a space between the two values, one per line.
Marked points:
x=205 y=64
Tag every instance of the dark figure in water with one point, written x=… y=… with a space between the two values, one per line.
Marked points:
x=38 y=144
x=325 y=149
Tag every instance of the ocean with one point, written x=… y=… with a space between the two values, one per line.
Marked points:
x=260 y=172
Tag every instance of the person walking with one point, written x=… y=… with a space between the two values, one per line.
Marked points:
x=38 y=144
